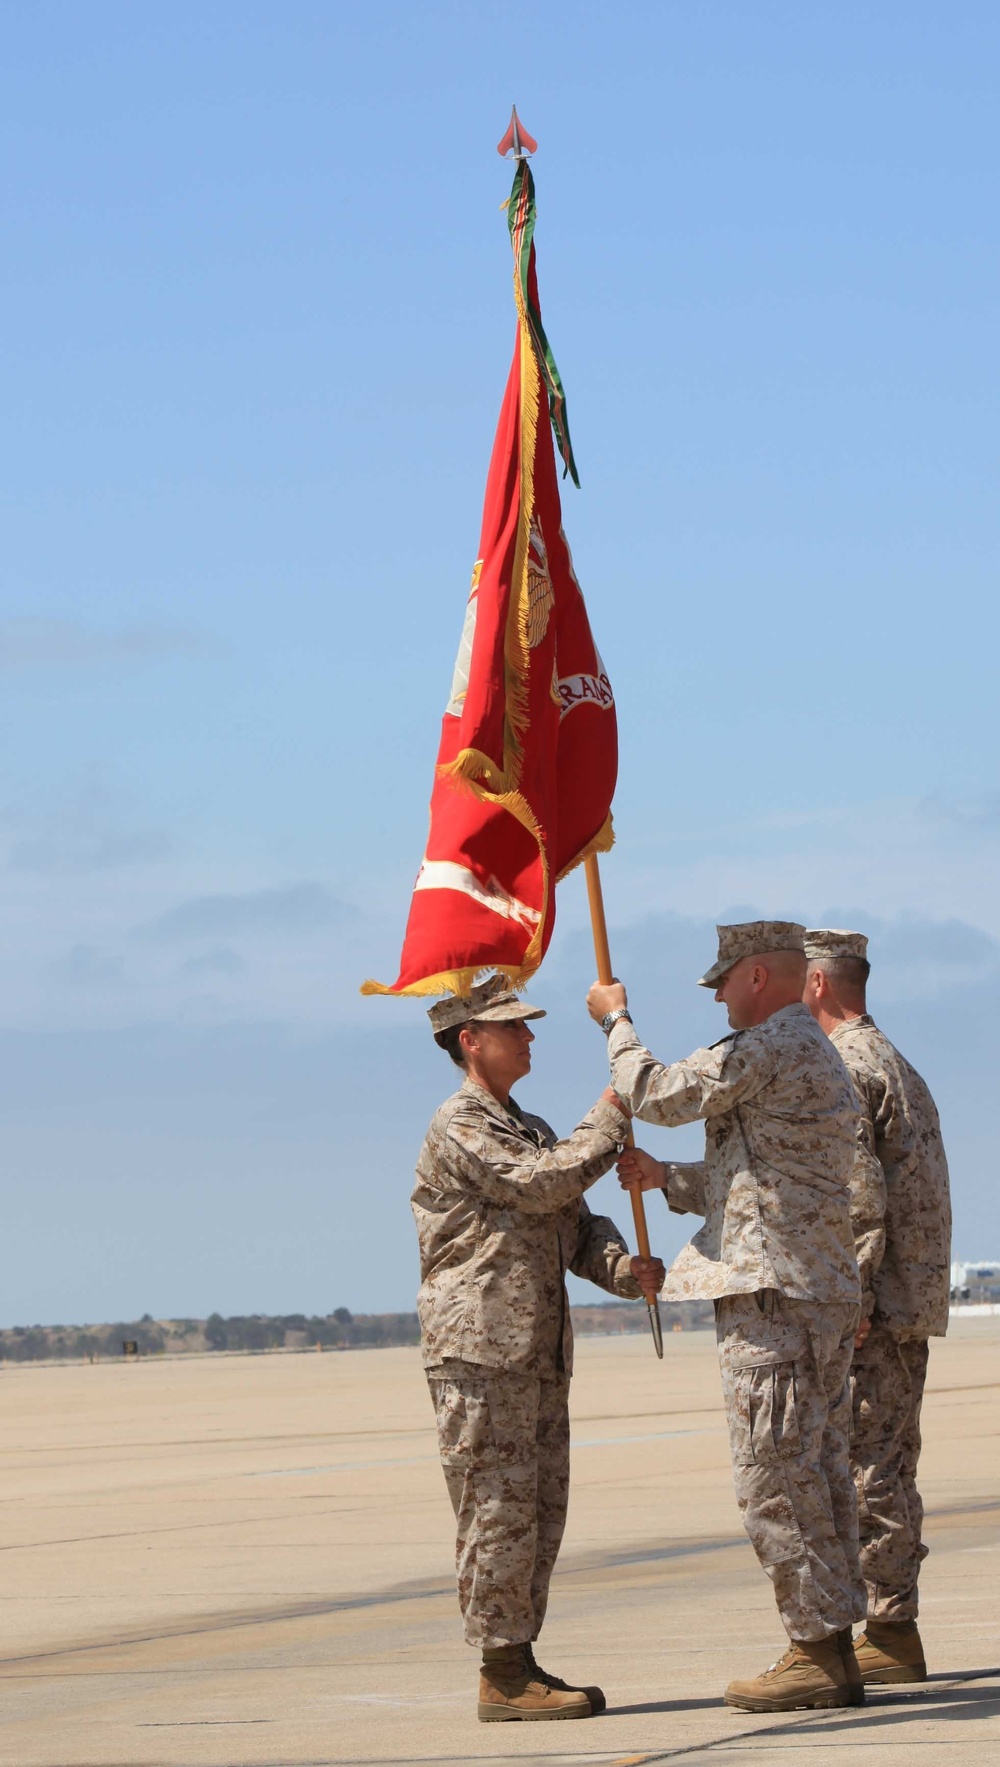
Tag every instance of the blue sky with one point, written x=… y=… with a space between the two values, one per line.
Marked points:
x=257 y=310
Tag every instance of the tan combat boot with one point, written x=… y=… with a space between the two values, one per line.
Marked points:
x=810 y=1674
x=890 y=1650
x=510 y=1687
x=595 y=1695
x=855 y=1680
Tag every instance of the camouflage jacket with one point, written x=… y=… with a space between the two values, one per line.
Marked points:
x=781 y=1140
x=500 y=1219
x=902 y=1128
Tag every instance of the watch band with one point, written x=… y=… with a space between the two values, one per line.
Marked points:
x=611 y=1018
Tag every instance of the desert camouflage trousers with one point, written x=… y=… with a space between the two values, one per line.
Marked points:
x=888 y=1382
x=504 y=1442
x=785 y=1367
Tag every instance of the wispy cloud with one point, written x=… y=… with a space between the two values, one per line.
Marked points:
x=222 y=961
x=910 y=940
x=292 y=908
x=34 y=641
x=69 y=849
x=980 y=812
x=84 y=966
x=88 y=830
x=914 y=958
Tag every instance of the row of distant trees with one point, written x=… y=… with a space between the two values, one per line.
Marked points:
x=43 y=1343
x=337 y=1330
x=258 y=1331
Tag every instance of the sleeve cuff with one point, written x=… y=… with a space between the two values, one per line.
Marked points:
x=609 y=1121
x=622 y=1036
x=678 y=1204
x=625 y=1283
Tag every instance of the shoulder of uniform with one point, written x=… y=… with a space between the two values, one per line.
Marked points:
x=461 y=1104
x=861 y=1043
x=754 y=1051
x=861 y=1029
x=786 y=1037
x=874 y=1050
x=759 y=1037
x=793 y=1024
x=463 y=1099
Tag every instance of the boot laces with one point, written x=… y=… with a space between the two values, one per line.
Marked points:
x=531 y=1662
x=782 y=1662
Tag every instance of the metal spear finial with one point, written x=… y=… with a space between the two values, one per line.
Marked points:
x=517 y=139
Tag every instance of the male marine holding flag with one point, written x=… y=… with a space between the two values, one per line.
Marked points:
x=776 y=1255
x=500 y=1218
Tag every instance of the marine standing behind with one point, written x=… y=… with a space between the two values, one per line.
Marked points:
x=500 y=1218
x=906 y=1300
x=776 y=1255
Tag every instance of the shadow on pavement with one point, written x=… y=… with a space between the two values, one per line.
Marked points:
x=951 y=1703
x=664 y=1706
x=949 y=1675
x=883 y=1705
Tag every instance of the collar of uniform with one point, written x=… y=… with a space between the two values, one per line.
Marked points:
x=483 y=1096
x=850 y=1024
x=797 y=1009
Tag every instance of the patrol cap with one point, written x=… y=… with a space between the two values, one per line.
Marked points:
x=752 y=938
x=833 y=941
x=492 y=1001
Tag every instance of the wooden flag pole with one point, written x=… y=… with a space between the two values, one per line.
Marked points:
x=602 y=952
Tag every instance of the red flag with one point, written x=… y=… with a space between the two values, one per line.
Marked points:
x=529 y=747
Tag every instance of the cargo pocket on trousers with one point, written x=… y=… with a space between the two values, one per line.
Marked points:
x=880 y=1388
x=466 y=1437
x=765 y=1426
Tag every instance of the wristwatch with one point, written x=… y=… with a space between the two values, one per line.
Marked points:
x=611 y=1018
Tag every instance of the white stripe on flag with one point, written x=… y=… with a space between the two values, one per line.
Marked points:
x=445 y=874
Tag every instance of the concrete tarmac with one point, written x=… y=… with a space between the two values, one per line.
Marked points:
x=240 y=1561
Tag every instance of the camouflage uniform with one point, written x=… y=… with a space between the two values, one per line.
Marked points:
x=776 y=1254
x=504 y=1442
x=908 y=1302
x=788 y=1404
x=500 y=1218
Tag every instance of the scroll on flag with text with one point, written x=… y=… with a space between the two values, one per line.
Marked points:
x=529 y=751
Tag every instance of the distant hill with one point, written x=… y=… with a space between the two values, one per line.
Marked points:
x=257 y=1332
